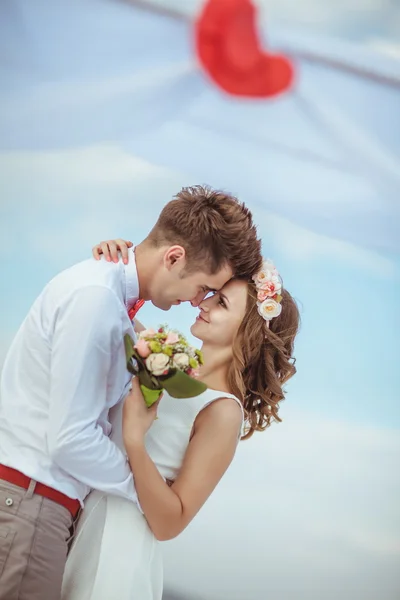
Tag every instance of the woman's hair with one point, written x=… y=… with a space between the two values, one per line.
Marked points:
x=263 y=361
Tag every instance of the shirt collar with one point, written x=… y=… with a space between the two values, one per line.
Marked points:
x=131 y=280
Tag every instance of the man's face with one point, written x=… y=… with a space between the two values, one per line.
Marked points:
x=173 y=285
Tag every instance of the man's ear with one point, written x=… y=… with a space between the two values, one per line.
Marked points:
x=174 y=255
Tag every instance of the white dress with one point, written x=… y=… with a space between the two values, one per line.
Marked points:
x=115 y=555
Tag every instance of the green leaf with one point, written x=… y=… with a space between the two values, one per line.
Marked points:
x=129 y=349
x=150 y=396
x=199 y=355
x=180 y=385
x=155 y=347
x=193 y=363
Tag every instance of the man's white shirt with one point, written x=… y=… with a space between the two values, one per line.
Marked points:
x=64 y=371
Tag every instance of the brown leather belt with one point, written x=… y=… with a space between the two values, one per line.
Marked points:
x=17 y=478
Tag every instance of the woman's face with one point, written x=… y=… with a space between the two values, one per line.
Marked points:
x=221 y=315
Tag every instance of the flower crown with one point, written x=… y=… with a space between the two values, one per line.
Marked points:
x=269 y=286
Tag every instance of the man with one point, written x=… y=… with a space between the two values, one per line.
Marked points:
x=66 y=369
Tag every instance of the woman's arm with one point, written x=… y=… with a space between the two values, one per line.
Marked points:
x=169 y=509
x=112 y=250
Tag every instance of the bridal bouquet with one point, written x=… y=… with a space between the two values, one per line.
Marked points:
x=163 y=359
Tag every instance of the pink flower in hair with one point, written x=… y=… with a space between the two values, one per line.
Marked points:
x=262 y=295
x=270 y=287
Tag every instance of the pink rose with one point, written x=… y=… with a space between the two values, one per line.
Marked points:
x=147 y=333
x=193 y=373
x=172 y=338
x=268 y=281
x=270 y=288
x=143 y=348
x=262 y=295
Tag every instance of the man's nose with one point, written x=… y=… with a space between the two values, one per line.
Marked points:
x=197 y=299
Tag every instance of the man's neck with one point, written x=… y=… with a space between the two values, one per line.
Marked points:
x=146 y=264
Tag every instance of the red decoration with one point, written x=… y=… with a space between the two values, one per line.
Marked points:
x=132 y=311
x=229 y=50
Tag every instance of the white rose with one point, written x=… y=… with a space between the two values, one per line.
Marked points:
x=268 y=264
x=267 y=273
x=180 y=360
x=262 y=276
x=191 y=350
x=269 y=309
x=157 y=363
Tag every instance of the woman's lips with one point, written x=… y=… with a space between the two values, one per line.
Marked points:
x=200 y=318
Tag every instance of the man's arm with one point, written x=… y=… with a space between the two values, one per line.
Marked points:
x=87 y=329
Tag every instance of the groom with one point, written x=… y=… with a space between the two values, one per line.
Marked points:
x=66 y=369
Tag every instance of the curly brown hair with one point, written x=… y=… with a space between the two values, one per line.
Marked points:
x=263 y=361
x=214 y=228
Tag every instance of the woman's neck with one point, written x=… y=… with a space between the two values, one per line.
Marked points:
x=215 y=370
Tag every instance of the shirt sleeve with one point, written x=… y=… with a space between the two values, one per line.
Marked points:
x=86 y=330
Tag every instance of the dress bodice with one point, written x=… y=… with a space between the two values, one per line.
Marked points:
x=169 y=436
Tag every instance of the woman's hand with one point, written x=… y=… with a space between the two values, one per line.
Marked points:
x=111 y=248
x=137 y=418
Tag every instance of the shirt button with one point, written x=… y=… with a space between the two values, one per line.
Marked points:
x=9 y=501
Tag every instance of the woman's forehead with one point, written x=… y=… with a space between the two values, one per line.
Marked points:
x=234 y=288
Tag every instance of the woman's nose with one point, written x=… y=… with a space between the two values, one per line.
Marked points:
x=204 y=305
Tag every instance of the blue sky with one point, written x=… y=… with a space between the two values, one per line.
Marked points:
x=325 y=469
x=348 y=296
x=92 y=144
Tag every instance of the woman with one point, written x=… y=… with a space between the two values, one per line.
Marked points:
x=248 y=331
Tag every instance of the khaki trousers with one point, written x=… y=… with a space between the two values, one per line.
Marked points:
x=34 y=535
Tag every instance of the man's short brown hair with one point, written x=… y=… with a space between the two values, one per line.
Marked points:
x=214 y=228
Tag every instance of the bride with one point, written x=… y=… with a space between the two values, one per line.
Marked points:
x=247 y=331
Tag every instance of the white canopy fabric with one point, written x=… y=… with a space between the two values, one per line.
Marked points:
x=337 y=133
